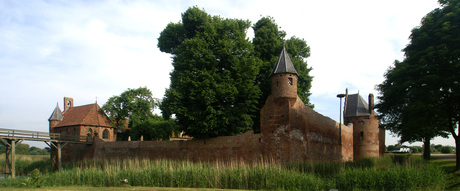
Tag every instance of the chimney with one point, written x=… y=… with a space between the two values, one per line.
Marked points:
x=371 y=103
x=68 y=103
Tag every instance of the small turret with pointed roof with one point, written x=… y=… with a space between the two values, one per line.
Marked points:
x=55 y=117
x=284 y=64
x=284 y=77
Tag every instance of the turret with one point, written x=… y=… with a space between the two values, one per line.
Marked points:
x=366 y=132
x=284 y=77
x=55 y=118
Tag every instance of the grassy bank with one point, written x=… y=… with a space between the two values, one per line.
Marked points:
x=386 y=173
x=27 y=163
x=453 y=178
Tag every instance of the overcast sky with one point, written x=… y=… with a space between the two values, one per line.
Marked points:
x=92 y=50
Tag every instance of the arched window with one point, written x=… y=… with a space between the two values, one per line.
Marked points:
x=90 y=132
x=105 y=134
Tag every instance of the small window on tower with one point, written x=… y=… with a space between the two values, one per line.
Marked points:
x=290 y=81
x=361 y=136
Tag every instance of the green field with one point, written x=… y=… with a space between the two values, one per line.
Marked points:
x=392 y=172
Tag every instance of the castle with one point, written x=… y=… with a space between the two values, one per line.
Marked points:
x=290 y=132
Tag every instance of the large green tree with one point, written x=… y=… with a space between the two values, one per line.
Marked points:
x=133 y=105
x=212 y=91
x=268 y=42
x=420 y=98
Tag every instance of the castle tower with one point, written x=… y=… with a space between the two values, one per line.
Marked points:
x=55 y=118
x=367 y=136
x=284 y=77
x=275 y=115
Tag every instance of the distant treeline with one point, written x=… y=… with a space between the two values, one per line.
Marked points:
x=418 y=149
x=25 y=149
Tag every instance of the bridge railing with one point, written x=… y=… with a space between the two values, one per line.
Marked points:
x=41 y=136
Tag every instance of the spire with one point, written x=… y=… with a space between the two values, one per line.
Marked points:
x=284 y=64
x=56 y=115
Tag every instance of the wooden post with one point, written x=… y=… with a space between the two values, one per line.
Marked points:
x=10 y=156
x=56 y=159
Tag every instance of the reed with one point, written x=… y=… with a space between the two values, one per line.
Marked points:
x=368 y=174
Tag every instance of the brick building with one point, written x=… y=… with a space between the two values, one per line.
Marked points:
x=83 y=121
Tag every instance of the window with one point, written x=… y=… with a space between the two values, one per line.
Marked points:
x=105 y=134
x=90 y=132
x=361 y=137
x=290 y=81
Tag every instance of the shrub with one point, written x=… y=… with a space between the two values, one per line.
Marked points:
x=446 y=149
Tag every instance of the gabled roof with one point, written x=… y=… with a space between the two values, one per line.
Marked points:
x=356 y=106
x=284 y=64
x=84 y=115
x=56 y=115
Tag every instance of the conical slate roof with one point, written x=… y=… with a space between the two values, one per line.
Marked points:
x=284 y=64
x=56 y=115
x=356 y=106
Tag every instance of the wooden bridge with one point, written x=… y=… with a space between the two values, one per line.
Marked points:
x=11 y=137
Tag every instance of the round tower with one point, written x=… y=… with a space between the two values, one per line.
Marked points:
x=365 y=126
x=284 y=77
x=284 y=85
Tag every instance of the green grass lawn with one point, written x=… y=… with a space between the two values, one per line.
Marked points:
x=449 y=167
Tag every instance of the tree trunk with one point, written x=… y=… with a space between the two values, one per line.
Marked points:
x=457 y=144
x=456 y=125
x=426 y=151
x=457 y=153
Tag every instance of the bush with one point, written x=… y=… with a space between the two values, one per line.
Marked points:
x=446 y=149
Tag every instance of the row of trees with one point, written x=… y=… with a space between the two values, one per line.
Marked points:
x=420 y=97
x=25 y=149
x=132 y=113
x=419 y=149
x=221 y=79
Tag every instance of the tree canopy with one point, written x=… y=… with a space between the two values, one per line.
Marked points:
x=133 y=105
x=220 y=79
x=420 y=96
x=268 y=43
x=212 y=91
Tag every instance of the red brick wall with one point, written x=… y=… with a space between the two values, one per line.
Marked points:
x=365 y=136
x=244 y=147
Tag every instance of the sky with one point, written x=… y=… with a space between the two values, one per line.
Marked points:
x=93 y=50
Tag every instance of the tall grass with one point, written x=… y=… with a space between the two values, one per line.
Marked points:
x=368 y=174
x=27 y=163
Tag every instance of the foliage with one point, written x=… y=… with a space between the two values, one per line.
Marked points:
x=369 y=174
x=212 y=91
x=416 y=149
x=154 y=128
x=34 y=179
x=268 y=43
x=420 y=98
x=133 y=105
x=446 y=149
x=22 y=148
